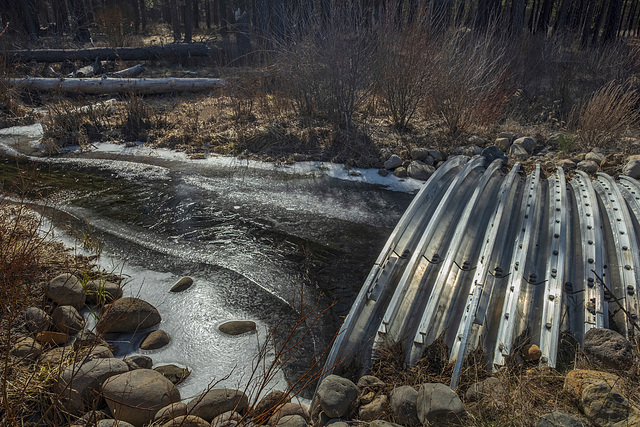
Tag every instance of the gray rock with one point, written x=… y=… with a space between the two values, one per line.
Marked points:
x=406 y=163
x=336 y=422
x=436 y=154
x=292 y=421
x=393 y=162
x=375 y=409
x=503 y=143
x=67 y=319
x=336 y=396
x=86 y=338
x=102 y=291
x=403 y=405
x=400 y=172
x=370 y=382
x=26 y=348
x=596 y=157
x=237 y=327
x=588 y=166
x=383 y=172
x=492 y=153
x=186 y=421
x=632 y=169
x=218 y=401
x=507 y=135
x=518 y=152
x=113 y=423
x=52 y=337
x=567 y=165
x=385 y=153
x=56 y=355
x=438 y=404
x=171 y=411
x=136 y=396
x=228 y=419
x=527 y=143
x=608 y=347
x=128 y=315
x=182 y=284
x=144 y=362
x=490 y=389
x=578 y=157
x=37 y=319
x=100 y=352
x=173 y=373
x=91 y=418
x=80 y=383
x=269 y=403
x=473 y=150
x=155 y=340
x=559 y=419
x=476 y=140
x=66 y=289
x=420 y=170
x=604 y=405
x=420 y=154
x=290 y=409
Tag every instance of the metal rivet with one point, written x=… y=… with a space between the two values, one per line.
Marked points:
x=552 y=297
x=625 y=248
x=590 y=242
x=627 y=267
x=555 y=252
x=506 y=315
x=590 y=260
x=548 y=325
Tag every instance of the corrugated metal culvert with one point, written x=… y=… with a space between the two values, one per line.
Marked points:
x=485 y=255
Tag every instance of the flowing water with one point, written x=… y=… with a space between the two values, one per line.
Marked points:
x=255 y=237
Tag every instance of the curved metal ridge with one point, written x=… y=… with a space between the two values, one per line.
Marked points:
x=487 y=258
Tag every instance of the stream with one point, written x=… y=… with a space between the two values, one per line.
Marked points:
x=254 y=236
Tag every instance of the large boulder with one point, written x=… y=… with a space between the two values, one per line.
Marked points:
x=518 y=152
x=438 y=404
x=567 y=165
x=128 y=315
x=102 y=291
x=336 y=396
x=403 y=405
x=26 y=348
x=608 y=347
x=155 y=340
x=420 y=170
x=393 y=162
x=80 y=383
x=400 y=172
x=600 y=396
x=268 y=404
x=228 y=419
x=67 y=319
x=215 y=402
x=140 y=361
x=492 y=153
x=488 y=391
x=136 y=396
x=170 y=412
x=596 y=157
x=290 y=409
x=112 y=423
x=56 y=355
x=527 y=143
x=52 y=337
x=374 y=409
x=36 y=319
x=632 y=169
x=503 y=143
x=291 y=421
x=66 y=289
x=237 y=327
x=588 y=166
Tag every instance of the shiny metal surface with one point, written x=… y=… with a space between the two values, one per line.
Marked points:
x=491 y=258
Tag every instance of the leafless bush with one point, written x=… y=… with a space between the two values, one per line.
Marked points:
x=67 y=125
x=329 y=65
x=403 y=67
x=609 y=114
x=470 y=81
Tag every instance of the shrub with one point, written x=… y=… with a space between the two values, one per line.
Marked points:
x=609 y=114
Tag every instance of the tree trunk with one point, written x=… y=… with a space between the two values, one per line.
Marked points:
x=544 y=18
x=123 y=53
x=207 y=13
x=188 y=20
x=175 y=20
x=143 y=14
x=612 y=21
x=517 y=17
x=116 y=85
x=196 y=14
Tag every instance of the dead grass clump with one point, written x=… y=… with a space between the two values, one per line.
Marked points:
x=67 y=125
x=139 y=119
x=608 y=115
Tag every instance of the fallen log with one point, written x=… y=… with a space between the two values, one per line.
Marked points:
x=116 y=85
x=183 y=50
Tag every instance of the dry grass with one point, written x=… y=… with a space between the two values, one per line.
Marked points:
x=610 y=114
